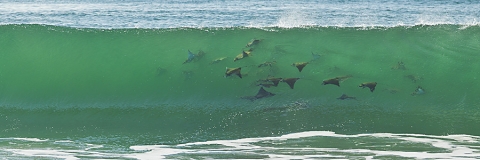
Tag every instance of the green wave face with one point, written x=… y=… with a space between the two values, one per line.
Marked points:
x=55 y=66
x=50 y=67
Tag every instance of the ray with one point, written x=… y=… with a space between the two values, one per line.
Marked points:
x=243 y=55
x=400 y=66
x=345 y=97
x=253 y=42
x=334 y=81
x=300 y=65
x=218 y=60
x=262 y=93
x=370 y=85
x=190 y=58
x=274 y=80
x=418 y=91
x=315 y=56
x=233 y=71
x=267 y=85
x=267 y=64
x=290 y=81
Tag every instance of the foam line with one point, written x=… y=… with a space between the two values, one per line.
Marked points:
x=247 y=146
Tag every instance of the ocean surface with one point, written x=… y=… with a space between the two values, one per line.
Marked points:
x=204 y=79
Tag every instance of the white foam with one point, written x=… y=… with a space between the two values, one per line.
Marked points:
x=154 y=152
x=31 y=139
x=68 y=154
x=43 y=153
x=293 y=19
x=247 y=146
x=64 y=141
x=302 y=145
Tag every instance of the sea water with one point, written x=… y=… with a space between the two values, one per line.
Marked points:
x=107 y=79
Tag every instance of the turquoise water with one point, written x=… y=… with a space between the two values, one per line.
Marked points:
x=121 y=90
x=48 y=66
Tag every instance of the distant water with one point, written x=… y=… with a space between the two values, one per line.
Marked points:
x=113 y=80
x=235 y=13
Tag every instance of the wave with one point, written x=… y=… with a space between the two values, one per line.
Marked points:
x=78 y=82
x=56 y=66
